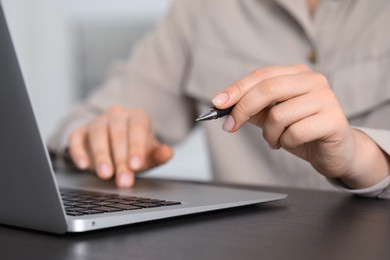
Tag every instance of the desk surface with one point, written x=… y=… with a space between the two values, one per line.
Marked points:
x=307 y=225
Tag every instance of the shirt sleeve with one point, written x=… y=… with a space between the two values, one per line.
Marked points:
x=380 y=190
x=151 y=78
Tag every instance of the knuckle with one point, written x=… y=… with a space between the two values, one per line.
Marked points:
x=260 y=71
x=115 y=110
x=95 y=130
x=268 y=86
x=295 y=134
x=139 y=112
x=264 y=72
x=327 y=96
x=139 y=128
x=301 y=67
x=117 y=127
x=241 y=108
x=118 y=138
x=115 y=132
x=235 y=89
x=276 y=115
x=319 y=78
x=139 y=119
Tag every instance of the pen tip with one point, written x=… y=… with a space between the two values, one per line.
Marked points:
x=207 y=116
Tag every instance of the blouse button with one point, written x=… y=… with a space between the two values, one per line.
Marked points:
x=312 y=57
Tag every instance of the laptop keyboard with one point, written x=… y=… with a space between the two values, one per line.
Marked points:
x=78 y=203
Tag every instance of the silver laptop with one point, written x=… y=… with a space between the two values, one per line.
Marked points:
x=33 y=196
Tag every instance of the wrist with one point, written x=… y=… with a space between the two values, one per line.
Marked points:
x=371 y=164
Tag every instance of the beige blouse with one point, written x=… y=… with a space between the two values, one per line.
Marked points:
x=201 y=47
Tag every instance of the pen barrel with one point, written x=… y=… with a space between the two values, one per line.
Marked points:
x=223 y=112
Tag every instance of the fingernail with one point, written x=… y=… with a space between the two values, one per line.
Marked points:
x=135 y=162
x=81 y=163
x=220 y=99
x=105 y=170
x=125 y=180
x=229 y=123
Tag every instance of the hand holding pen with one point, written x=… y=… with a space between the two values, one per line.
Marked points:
x=253 y=99
x=298 y=111
x=295 y=89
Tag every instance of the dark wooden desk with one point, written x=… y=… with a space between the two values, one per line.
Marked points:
x=307 y=225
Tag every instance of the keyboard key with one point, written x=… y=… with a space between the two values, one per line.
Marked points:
x=108 y=209
x=171 y=203
x=88 y=206
x=124 y=206
x=146 y=205
x=73 y=208
x=73 y=213
x=91 y=211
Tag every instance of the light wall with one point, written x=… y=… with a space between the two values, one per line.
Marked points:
x=42 y=41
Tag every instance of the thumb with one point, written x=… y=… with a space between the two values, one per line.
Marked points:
x=162 y=154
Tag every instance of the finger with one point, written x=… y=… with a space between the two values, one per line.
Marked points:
x=305 y=131
x=272 y=91
x=124 y=177
x=77 y=148
x=232 y=94
x=161 y=154
x=139 y=132
x=99 y=145
x=282 y=115
x=117 y=125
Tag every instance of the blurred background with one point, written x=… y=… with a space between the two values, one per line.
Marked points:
x=65 y=48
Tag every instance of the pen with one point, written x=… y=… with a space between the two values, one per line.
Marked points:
x=214 y=113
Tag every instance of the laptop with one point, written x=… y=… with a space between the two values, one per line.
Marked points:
x=33 y=196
